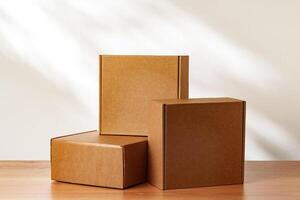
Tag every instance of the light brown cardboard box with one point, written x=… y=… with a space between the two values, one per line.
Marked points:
x=196 y=142
x=128 y=83
x=99 y=160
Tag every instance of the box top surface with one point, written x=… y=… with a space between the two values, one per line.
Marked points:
x=116 y=55
x=93 y=137
x=197 y=100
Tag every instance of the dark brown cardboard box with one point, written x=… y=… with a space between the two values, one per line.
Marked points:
x=196 y=142
x=99 y=160
x=128 y=83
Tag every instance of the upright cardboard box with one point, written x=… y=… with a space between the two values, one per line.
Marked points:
x=128 y=83
x=196 y=142
x=99 y=160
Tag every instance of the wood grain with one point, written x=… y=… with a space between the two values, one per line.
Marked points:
x=263 y=180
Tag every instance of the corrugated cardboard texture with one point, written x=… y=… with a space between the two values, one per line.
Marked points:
x=156 y=149
x=197 y=142
x=128 y=83
x=99 y=160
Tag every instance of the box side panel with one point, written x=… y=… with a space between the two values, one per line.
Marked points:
x=203 y=144
x=135 y=163
x=87 y=164
x=155 y=144
x=51 y=162
x=128 y=84
x=243 y=145
x=100 y=94
x=183 y=62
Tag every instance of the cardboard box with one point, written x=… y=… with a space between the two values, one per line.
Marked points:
x=99 y=160
x=196 y=142
x=128 y=83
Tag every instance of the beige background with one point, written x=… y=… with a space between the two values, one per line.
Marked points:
x=49 y=64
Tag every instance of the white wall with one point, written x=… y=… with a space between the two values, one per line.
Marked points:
x=49 y=64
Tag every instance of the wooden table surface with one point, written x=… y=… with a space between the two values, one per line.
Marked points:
x=263 y=180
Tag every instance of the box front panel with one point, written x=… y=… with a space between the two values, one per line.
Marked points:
x=87 y=164
x=203 y=144
x=128 y=83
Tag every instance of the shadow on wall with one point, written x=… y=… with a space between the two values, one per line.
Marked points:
x=49 y=58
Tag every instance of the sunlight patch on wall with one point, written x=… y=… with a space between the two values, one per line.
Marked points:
x=38 y=40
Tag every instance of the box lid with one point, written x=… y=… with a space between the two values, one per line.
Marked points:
x=197 y=100
x=94 y=138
